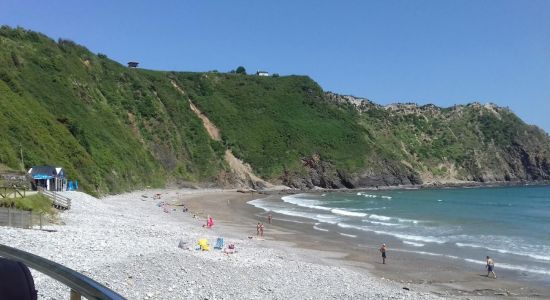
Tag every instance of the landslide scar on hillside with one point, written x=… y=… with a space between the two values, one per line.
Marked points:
x=241 y=169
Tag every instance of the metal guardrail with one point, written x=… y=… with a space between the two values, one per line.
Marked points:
x=79 y=284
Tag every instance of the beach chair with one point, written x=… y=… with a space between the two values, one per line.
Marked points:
x=219 y=244
x=203 y=244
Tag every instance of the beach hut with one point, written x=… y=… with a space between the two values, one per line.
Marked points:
x=48 y=177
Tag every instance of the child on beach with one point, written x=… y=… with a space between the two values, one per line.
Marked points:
x=490 y=267
x=383 y=251
x=269 y=218
x=258 y=229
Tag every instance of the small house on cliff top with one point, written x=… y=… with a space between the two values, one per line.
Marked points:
x=48 y=177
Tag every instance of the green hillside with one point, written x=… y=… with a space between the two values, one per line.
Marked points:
x=111 y=127
x=117 y=129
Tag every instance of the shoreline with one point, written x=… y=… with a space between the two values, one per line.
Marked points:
x=134 y=246
x=427 y=186
x=128 y=243
x=436 y=275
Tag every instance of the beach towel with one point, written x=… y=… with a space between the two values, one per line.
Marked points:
x=219 y=244
x=203 y=244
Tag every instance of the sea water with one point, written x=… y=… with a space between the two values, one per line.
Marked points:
x=511 y=224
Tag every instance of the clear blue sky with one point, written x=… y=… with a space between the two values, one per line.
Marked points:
x=441 y=52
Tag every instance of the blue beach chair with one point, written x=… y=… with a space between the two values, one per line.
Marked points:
x=219 y=244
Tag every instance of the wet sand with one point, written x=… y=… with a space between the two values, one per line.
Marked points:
x=432 y=274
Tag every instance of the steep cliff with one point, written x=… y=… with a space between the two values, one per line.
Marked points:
x=473 y=142
x=117 y=129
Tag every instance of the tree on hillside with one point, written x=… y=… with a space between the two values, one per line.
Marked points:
x=241 y=70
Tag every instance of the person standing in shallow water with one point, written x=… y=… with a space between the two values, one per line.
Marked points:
x=383 y=251
x=262 y=229
x=269 y=217
x=490 y=267
x=258 y=229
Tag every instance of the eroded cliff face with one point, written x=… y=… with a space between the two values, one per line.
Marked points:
x=412 y=144
x=319 y=173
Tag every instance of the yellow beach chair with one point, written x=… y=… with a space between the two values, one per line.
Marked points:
x=203 y=244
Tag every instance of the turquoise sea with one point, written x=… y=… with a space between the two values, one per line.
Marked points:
x=511 y=224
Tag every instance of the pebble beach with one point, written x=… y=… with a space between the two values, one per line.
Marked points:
x=130 y=244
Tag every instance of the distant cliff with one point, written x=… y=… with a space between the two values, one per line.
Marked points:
x=474 y=142
x=118 y=129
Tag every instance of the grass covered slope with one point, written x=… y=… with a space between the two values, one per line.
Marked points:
x=117 y=129
x=277 y=124
x=111 y=127
x=473 y=142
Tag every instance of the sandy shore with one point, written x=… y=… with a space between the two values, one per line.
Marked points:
x=130 y=244
x=435 y=275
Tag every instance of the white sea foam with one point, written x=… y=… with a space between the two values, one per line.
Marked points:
x=374 y=208
x=386 y=197
x=381 y=223
x=259 y=203
x=331 y=219
x=319 y=228
x=403 y=237
x=295 y=213
x=380 y=218
x=521 y=253
x=386 y=218
x=512 y=267
x=417 y=238
x=429 y=253
x=290 y=220
x=347 y=213
x=413 y=244
x=267 y=206
x=344 y=225
x=348 y=235
x=309 y=203
x=370 y=195
x=407 y=221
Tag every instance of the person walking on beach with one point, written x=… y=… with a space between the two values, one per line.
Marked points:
x=262 y=229
x=269 y=217
x=383 y=251
x=258 y=229
x=490 y=267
